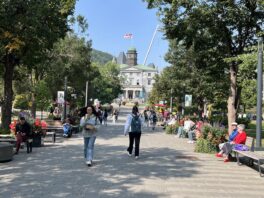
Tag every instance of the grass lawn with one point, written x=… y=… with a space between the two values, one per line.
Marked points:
x=251 y=130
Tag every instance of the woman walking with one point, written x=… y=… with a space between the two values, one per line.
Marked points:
x=133 y=127
x=89 y=130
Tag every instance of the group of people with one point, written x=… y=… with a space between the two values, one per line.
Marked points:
x=150 y=118
x=90 y=125
x=237 y=136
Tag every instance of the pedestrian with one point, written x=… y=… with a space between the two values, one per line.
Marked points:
x=153 y=119
x=105 y=115
x=133 y=128
x=114 y=116
x=89 y=130
x=23 y=134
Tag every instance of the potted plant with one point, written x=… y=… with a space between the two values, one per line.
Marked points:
x=38 y=131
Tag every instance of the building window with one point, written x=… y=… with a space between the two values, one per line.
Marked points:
x=131 y=81
x=130 y=74
x=137 y=93
x=149 y=81
x=137 y=82
x=137 y=74
x=149 y=74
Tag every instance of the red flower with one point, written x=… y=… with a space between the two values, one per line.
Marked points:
x=37 y=122
x=44 y=124
x=13 y=125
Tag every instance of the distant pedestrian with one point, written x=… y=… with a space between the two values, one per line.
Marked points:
x=133 y=128
x=89 y=130
x=153 y=119
x=105 y=115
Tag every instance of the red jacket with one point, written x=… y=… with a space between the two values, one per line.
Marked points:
x=240 y=138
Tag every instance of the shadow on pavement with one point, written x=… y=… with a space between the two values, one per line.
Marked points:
x=61 y=172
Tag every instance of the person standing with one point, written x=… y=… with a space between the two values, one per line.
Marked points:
x=133 y=128
x=23 y=133
x=105 y=115
x=153 y=119
x=89 y=130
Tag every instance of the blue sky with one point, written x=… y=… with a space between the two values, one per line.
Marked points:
x=109 y=20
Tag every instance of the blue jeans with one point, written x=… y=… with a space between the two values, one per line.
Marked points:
x=190 y=135
x=180 y=132
x=89 y=147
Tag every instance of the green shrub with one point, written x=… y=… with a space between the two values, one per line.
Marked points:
x=21 y=101
x=204 y=146
x=4 y=131
x=210 y=139
x=170 y=129
x=244 y=121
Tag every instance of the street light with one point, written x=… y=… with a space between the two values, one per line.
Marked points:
x=259 y=93
x=65 y=98
x=171 y=101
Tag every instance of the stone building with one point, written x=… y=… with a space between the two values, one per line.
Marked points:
x=138 y=79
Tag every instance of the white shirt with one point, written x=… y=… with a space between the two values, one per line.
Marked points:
x=127 y=127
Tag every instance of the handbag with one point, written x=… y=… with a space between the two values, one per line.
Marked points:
x=241 y=147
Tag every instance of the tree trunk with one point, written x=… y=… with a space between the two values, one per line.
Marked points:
x=34 y=106
x=9 y=65
x=231 y=103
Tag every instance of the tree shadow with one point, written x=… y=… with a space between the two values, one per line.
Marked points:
x=61 y=172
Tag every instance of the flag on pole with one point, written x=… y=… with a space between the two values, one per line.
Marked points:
x=128 y=36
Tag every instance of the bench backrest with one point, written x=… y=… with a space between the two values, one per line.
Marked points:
x=250 y=143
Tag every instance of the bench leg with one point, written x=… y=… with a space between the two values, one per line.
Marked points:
x=54 y=138
x=261 y=175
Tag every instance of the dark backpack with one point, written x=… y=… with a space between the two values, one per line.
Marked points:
x=154 y=118
x=136 y=124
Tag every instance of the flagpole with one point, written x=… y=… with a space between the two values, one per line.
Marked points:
x=154 y=34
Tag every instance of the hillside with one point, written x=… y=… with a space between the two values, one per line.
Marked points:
x=101 y=57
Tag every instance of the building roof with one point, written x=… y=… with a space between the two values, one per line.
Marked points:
x=139 y=67
x=121 y=59
x=132 y=49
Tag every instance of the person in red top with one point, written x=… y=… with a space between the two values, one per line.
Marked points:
x=228 y=146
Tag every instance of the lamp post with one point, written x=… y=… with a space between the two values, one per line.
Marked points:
x=259 y=93
x=65 y=97
x=86 y=93
x=171 y=101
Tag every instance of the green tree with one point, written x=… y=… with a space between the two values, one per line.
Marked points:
x=42 y=95
x=107 y=86
x=230 y=25
x=27 y=29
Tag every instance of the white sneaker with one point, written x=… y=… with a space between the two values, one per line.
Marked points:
x=136 y=157
x=129 y=154
x=190 y=142
x=89 y=163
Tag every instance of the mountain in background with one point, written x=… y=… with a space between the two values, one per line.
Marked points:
x=101 y=57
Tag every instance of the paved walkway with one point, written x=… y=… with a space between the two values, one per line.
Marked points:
x=167 y=167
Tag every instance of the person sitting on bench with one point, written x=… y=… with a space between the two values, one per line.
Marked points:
x=23 y=134
x=228 y=146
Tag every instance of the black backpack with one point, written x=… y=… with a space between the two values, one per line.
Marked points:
x=136 y=124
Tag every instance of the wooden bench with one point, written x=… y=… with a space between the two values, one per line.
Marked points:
x=52 y=134
x=8 y=140
x=250 y=154
x=54 y=128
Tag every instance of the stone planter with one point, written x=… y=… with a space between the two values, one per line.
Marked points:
x=6 y=152
x=37 y=141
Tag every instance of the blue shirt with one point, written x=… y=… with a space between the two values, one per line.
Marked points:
x=233 y=135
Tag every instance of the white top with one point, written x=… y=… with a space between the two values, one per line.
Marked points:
x=188 y=124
